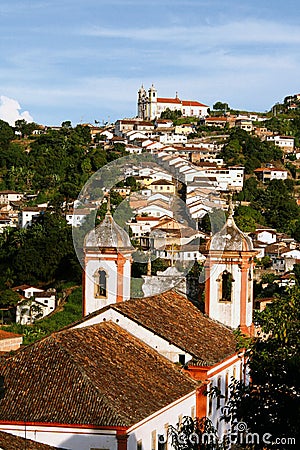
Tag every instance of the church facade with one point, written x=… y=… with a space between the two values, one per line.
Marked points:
x=150 y=106
x=131 y=367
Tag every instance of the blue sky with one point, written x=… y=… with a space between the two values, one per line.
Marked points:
x=84 y=60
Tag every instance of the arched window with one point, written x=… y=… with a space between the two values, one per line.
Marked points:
x=219 y=393
x=226 y=386
x=210 y=399
x=226 y=286
x=100 y=283
x=241 y=371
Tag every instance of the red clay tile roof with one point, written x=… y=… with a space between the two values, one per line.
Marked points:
x=162 y=182
x=177 y=320
x=192 y=103
x=168 y=100
x=216 y=119
x=98 y=375
x=8 y=335
x=11 y=442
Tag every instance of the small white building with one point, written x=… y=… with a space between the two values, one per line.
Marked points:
x=266 y=174
x=29 y=213
x=27 y=291
x=156 y=209
x=265 y=235
x=286 y=143
x=141 y=226
x=10 y=196
x=30 y=310
x=173 y=139
x=76 y=217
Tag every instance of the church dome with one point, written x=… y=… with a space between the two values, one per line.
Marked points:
x=230 y=238
x=108 y=234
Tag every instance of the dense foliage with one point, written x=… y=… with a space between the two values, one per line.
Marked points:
x=42 y=253
x=273 y=205
x=248 y=151
x=56 y=164
x=271 y=403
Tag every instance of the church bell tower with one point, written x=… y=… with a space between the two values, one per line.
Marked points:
x=229 y=277
x=107 y=263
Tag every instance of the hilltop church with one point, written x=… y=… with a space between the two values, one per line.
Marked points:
x=150 y=106
x=130 y=368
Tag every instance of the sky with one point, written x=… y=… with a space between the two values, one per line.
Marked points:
x=84 y=60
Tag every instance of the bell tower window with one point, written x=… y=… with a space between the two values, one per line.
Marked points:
x=100 y=283
x=226 y=286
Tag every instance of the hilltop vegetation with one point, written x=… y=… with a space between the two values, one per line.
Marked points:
x=56 y=165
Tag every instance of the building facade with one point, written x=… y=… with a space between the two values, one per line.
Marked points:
x=150 y=106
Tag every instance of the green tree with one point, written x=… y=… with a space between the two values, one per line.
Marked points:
x=271 y=402
x=25 y=128
x=220 y=106
x=9 y=298
x=6 y=134
x=171 y=115
x=194 y=434
x=247 y=218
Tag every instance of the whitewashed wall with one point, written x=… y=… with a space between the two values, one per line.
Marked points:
x=67 y=438
x=157 y=423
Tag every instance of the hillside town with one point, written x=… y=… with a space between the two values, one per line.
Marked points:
x=176 y=233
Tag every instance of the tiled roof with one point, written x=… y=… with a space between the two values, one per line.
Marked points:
x=168 y=100
x=192 y=103
x=8 y=335
x=162 y=182
x=11 y=442
x=177 y=320
x=98 y=375
x=216 y=119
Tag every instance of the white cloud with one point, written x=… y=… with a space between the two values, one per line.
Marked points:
x=245 y=31
x=10 y=111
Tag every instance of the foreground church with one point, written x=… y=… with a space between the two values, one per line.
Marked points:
x=131 y=367
x=150 y=106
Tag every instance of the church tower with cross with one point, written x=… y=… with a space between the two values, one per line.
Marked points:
x=107 y=263
x=229 y=277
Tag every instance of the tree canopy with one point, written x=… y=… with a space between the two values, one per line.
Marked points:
x=249 y=151
x=271 y=402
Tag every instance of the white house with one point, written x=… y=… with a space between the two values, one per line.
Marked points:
x=76 y=217
x=142 y=226
x=10 y=196
x=26 y=290
x=270 y=173
x=27 y=215
x=156 y=209
x=230 y=178
x=173 y=139
x=286 y=143
x=29 y=310
x=265 y=235
x=133 y=149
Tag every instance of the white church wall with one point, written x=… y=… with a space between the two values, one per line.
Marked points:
x=221 y=377
x=147 y=431
x=66 y=437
